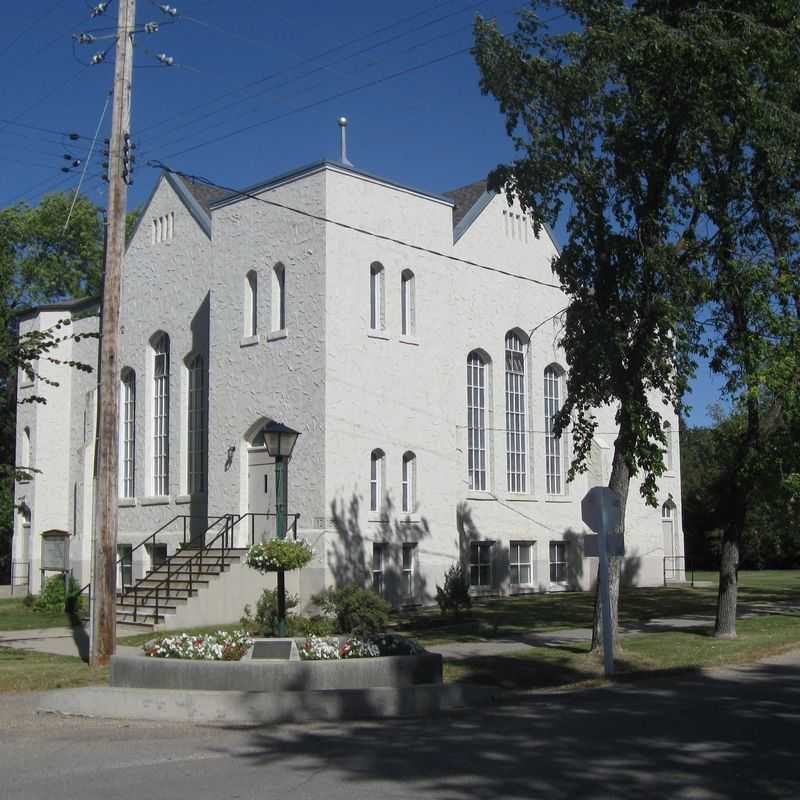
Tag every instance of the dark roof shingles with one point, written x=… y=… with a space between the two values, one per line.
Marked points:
x=464 y=198
x=203 y=193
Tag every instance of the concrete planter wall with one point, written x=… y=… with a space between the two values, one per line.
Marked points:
x=144 y=672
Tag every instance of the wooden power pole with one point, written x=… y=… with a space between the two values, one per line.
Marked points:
x=104 y=577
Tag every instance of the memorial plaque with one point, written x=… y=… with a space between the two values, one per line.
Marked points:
x=280 y=650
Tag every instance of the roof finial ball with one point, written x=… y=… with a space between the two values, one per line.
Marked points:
x=343 y=141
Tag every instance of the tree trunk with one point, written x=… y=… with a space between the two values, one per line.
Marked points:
x=619 y=481
x=725 y=627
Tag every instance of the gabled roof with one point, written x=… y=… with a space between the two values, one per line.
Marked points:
x=464 y=198
x=72 y=305
x=203 y=193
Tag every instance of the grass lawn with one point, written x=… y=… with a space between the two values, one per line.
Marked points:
x=570 y=665
x=14 y=616
x=28 y=671
x=509 y=617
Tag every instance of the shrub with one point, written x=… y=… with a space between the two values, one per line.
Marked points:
x=51 y=598
x=311 y=626
x=286 y=554
x=265 y=620
x=455 y=594
x=356 y=609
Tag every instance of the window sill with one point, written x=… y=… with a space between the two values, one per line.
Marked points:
x=552 y=498
x=670 y=473
x=377 y=516
x=378 y=335
x=26 y=386
x=479 y=495
x=126 y=502
x=275 y=335
x=522 y=588
x=405 y=516
x=184 y=499
x=163 y=500
x=520 y=498
x=557 y=587
x=249 y=341
x=412 y=340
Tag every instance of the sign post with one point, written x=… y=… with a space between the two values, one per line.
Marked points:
x=600 y=510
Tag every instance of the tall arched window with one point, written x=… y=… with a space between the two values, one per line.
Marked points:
x=668 y=530
x=161 y=415
x=408 y=309
x=127 y=432
x=25 y=455
x=476 y=421
x=668 y=448
x=251 y=304
x=516 y=416
x=278 y=297
x=553 y=449
x=377 y=315
x=409 y=498
x=196 y=428
x=376 y=473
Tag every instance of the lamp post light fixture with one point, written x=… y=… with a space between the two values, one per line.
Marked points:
x=280 y=441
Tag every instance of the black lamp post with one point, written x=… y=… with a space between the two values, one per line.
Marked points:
x=280 y=440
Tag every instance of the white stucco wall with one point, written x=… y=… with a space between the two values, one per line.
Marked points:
x=346 y=389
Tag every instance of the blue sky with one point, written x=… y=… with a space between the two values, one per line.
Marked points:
x=283 y=70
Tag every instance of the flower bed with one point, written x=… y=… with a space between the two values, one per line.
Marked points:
x=317 y=648
x=286 y=554
x=219 y=646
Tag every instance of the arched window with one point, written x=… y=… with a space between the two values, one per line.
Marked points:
x=251 y=304
x=516 y=415
x=278 y=297
x=25 y=455
x=409 y=498
x=476 y=421
x=668 y=448
x=161 y=415
x=377 y=315
x=553 y=449
x=668 y=530
x=408 y=304
x=376 y=473
x=196 y=427
x=127 y=433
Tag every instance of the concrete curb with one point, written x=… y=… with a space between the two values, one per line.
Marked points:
x=258 y=708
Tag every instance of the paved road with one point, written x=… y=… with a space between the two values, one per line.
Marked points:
x=729 y=733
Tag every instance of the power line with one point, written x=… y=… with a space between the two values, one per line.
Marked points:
x=311 y=59
x=355 y=228
x=38 y=20
x=308 y=73
x=343 y=93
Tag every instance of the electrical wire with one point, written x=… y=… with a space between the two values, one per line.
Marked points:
x=88 y=159
x=227 y=93
x=37 y=21
x=354 y=228
x=292 y=80
x=336 y=96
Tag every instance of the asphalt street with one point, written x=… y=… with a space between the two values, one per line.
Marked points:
x=719 y=734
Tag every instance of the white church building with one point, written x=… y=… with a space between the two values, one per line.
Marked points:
x=412 y=341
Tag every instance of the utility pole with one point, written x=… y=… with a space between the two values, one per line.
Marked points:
x=104 y=577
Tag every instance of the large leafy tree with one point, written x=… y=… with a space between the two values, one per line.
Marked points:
x=40 y=262
x=605 y=135
x=649 y=126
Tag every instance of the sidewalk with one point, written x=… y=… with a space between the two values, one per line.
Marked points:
x=59 y=641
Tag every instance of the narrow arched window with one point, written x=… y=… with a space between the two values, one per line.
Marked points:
x=278 y=297
x=25 y=455
x=377 y=464
x=516 y=416
x=409 y=498
x=668 y=530
x=408 y=309
x=377 y=315
x=553 y=449
x=161 y=415
x=196 y=427
x=476 y=421
x=251 y=304
x=668 y=447
x=127 y=432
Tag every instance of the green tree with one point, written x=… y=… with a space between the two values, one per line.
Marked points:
x=605 y=135
x=40 y=262
x=666 y=125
